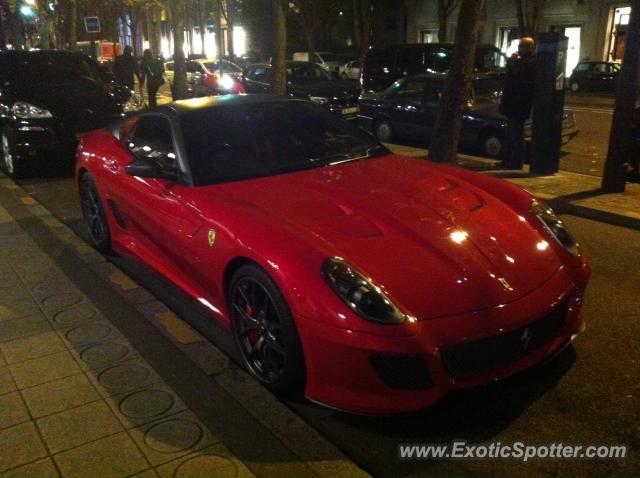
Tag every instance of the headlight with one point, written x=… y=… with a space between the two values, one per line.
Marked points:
x=226 y=82
x=360 y=293
x=555 y=226
x=321 y=100
x=134 y=103
x=24 y=110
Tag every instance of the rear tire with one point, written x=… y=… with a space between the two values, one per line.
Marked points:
x=383 y=131
x=492 y=144
x=94 y=214
x=264 y=332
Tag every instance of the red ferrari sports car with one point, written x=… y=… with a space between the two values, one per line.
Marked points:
x=375 y=283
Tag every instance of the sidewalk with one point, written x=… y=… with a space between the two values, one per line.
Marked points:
x=99 y=379
x=569 y=192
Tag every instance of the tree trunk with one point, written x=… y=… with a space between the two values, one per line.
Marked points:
x=443 y=16
x=73 y=25
x=621 y=148
x=218 y=26
x=520 y=11
x=180 y=67
x=446 y=131
x=279 y=71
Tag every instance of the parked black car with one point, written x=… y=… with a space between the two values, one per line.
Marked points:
x=385 y=65
x=594 y=76
x=47 y=98
x=407 y=110
x=308 y=81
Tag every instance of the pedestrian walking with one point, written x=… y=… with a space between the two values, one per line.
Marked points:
x=125 y=68
x=152 y=71
x=517 y=101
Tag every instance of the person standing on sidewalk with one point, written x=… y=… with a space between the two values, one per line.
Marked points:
x=152 y=71
x=517 y=101
x=125 y=67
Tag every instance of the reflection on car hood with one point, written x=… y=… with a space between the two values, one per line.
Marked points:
x=410 y=225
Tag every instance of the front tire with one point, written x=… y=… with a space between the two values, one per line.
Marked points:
x=383 y=131
x=94 y=214
x=11 y=164
x=264 y=332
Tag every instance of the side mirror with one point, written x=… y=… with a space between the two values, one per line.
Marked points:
x=144 y=168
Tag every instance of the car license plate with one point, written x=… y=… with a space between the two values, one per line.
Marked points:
x=350 y=111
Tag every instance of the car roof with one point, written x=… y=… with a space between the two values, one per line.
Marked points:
x=185 y=107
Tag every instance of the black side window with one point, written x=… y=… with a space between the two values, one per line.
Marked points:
x=411 y=60
x=381 y=59
x=259 y=73
x=151 y=138
x=433 y=91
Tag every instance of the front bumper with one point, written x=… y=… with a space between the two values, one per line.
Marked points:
x=343 y=366
x=35 y=137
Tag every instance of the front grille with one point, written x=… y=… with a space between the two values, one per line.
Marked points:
x=402 y=372
x=503 y=348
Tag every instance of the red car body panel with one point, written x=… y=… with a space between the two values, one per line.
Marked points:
x=441 y=241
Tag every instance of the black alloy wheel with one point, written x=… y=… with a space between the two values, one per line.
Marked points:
x=94 y=214
x=264 y=331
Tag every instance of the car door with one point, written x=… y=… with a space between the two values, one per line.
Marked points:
x=599 y=76
x=406 y=108
x=156 y=218
x=611 y=82
x=257 y=79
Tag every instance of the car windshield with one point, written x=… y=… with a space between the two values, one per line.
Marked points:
x=39 y=68
x=241 y=141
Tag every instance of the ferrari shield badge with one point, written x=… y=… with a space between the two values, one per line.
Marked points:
x=212 y=237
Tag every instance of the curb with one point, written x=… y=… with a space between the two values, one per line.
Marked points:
x=314 y=451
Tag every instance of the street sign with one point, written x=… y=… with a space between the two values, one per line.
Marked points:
x=92 y=24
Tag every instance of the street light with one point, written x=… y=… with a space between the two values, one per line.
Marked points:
x=27 y=11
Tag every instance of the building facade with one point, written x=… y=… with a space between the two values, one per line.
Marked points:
x=596 y=29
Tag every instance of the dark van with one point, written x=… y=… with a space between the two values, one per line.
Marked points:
x=384 y=65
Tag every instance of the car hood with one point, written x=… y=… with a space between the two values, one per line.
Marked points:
x=76 y=101
x=438 y=244
x=329 y=89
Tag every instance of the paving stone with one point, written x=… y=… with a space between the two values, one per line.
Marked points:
x=23 y=326
x=20 y=444
x=75 y=314
x=102 y=354
x=90 y=333
x=9 y=279
x=15 y=308
x=124 y=377
x=49 y=288
x=212 y=462
x=58 y=395
x=7 y=384
x=147 y=405
x=170 y=438
x=32 y=347
x=3 y=361
x=38 y=469
x=15 y=292
x=44 y=369
x=111 y=457
x=147 y=474
x=76 y=426
x=12 y=410
x=61 y=301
